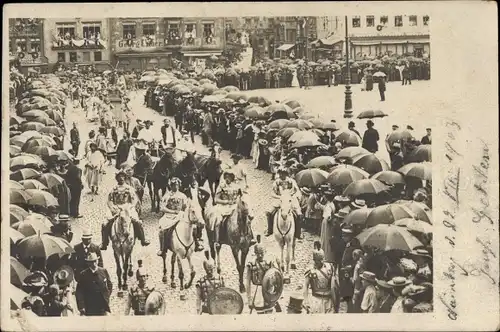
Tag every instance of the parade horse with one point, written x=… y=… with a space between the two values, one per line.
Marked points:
x=209 y=169
x=284 y=230
x=235 y=232
x=179 y=239
x=123 y=240
x=155 y=304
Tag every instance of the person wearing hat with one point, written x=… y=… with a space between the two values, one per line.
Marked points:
x=370 y=138
x=239 y=172
x=82 y=250
x=146 y=133
x=424 y=264
x=321 y=279
x=143 y=165
x=169 y=134
x=138 y=293
x=385 y=296
x=427 y=139
x=207 y=284
x=263 y=155
x=208 y=126
x=139 y=126
x=123 y=149
x=135 y=184
x=61 y=228
x=369 y=304
x=255 y=271
x=173 y=204
x=396 y=156
x=73 y=178
x=328 y=226
x=351 y=127
x=74 y=135
x=398 y=284
x=94 y=289
x=62 y=300
x=122 y=198
x=285 y=185
x=94 y=168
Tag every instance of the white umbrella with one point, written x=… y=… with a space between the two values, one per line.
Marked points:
x=379 y=74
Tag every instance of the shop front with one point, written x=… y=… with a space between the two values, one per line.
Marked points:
x=139 y=61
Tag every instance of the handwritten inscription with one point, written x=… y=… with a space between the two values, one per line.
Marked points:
x=481 y=209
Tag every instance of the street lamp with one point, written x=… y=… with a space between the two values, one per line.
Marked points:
x=348 y=92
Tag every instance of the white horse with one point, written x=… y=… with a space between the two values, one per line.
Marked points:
x=284 y=229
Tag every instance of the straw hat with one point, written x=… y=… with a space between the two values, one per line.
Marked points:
x=64 y=276
x=369 y=276
x=399 y=282
x=91 y=257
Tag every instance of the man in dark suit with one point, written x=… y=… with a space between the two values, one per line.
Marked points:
x=427 y=138
x=82 y=250
x=93 y=289
x=381 y=88
x=74 y=135
x=73 y=178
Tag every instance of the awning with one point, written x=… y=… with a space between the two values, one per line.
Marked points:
x=285 y=47
x=142 y=55
x=390 y=42
x=201 y=53
x=329 y=41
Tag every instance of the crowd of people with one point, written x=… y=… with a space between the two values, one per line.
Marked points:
x=340 y=188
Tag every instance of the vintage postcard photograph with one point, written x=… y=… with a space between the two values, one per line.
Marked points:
x=200 y=159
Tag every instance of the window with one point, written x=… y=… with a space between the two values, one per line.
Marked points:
x=72 y=57
x=148 y=29
x=129 y=31
x=208 y=33
x=190 y=33
x=291 y=36
x=91 y=30
x=398 y=21
x=370 y=21
x=173 y=33
x=426 y=20
x=61 y=57
x=97 y=56
x=356 y=22
x=384 y=20
x=86 y=56
x=413 y=20
x=21 y=45
x=66 y=31
x=34 y=45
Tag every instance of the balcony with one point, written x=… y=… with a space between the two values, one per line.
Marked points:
x=63 y=44
x=30 y=60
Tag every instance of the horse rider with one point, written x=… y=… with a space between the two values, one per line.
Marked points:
x=199 y=196
x=174 y=204
x=138 y=293
x=206 y=285
x=225 y=198
x=319 y=279
x=144 y=164
x=255 y=274
x=239 y=172
x=146 y=134
x=122 y=197
x=284 y=183
x=135 y=184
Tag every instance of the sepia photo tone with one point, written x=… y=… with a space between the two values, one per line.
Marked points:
x=220 y=165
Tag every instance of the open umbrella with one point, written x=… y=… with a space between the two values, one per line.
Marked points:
x=19 y=196
x=322 y=162
x=255 y=112
x=41 y=198
x=211 y=99
x=351 y=152
x=422 y=171
x=292 y=103
x=421 y=153
x=18 y=140
x=15 y=185
x=34 y=217
x=18 y=272
x=365 y=186
x=33 y=184
x=318 y=132
x=54 y=130
x=42 y=151
x=300 y=135
x=44 y=246
x=34 y=114
x=220 y=92
x=389 y=177
x=371 y=114
x=387 y=214
x=287 y=132
x=39 y=136
x=312 y=177
x=32 y=227
x=17 y=214
x=33 y=143
x=329 y=126
x=16 y=120
x=45 y=120
x=64 y=155
x=31 y=126
x=305 y=116
x=300 y=124
x=261 y=100
x=414 y=225
x=278 y=108
x=370 y=163
x=421 y=211
x=379 y=74
x=278 y=124
x=388 y=237
x=357 y=217
x=24 y=174
x=306 y=142
x=54 y=115
x=348 y=138
x=344 y=175
x=208 y=88
x=51 y=180
x=231 y=88
x=14 y=150
x=15 y=236
x=398 y=136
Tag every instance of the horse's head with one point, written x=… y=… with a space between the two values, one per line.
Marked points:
x=242 y=206
x=123 y=218
x=286 y=203
x=194 y=214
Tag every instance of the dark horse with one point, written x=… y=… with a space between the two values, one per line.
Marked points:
x=209 y=169
x=165 y=169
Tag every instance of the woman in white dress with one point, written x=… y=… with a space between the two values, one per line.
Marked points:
x=255 y=145
x=295 y=81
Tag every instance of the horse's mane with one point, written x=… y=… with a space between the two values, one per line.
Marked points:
x=166 y=162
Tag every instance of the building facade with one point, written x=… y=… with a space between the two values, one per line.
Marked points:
x=293 y=35
x=376 y=35
x=145 y=43
x=77 y=41
x=26 y=40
